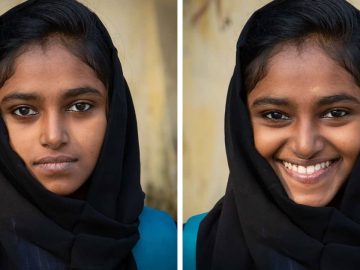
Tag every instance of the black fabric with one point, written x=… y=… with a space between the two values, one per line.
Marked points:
x=98 y=232
x=255 y=225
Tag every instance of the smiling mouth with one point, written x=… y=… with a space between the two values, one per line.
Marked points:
x=309 y=174
x=308 y=169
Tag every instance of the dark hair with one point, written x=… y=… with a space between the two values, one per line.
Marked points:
x=332 y=24
x=37 y=22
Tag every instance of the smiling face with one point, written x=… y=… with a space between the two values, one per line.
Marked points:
x=54 y=107
x=305 y=114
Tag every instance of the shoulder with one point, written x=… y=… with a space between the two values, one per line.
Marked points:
x=157 y=246
x=191 y=229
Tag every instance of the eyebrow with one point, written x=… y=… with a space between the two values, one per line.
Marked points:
x=21 y=96
x=321 y=102
x=337 y=98
x=270 y=101
x=71 y=93
x=82 y=91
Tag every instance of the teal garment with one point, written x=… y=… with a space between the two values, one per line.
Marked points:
x=157 y=247
x=191 y=229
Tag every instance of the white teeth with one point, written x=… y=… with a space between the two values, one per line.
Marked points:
x=294 y=168
x=301 y=169
x=308 y=169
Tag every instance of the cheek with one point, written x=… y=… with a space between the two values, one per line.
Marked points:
x=21 y=141
x=346 y=141
x=90 y=136
x=267 y=141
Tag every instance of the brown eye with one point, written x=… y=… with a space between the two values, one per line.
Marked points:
x=24 y=111
x=335 y=114
x=80 y=107
x=276 y=116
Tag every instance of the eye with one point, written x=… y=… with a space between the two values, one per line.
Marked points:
x=80 y=107
x=276 y=116
x=335 y=113
x=24 y=111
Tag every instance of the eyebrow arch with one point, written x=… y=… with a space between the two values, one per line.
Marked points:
x=21 y=96
x=337 y=98
x=71 y=93
x=270 y=101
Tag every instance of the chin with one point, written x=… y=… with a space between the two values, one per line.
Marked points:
x=317 y=201
x=61 y=188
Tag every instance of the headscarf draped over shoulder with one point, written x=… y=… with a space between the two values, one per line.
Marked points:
x=100 y=231
x=255 y=225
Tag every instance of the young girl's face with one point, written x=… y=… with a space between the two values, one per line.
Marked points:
x=306 y=120
x=54 y=107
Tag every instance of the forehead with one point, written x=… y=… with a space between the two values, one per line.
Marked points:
x=309 y=60
x=49 y=69
x=49 y=58
x=302 y=73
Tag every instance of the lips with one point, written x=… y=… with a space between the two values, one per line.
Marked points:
x=55 y=164
x=56 y=159
x=307 y=169
x=309 y=173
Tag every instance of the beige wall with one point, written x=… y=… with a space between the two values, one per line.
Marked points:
x=145 y=34
x=211 y=29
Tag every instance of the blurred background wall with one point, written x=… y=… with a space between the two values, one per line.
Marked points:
x=145 y=34
x=211 y=29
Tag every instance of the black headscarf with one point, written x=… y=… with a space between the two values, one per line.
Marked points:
x=255 y=225
x=99 y=231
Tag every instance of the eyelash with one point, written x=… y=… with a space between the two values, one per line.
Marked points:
x=281 y=116
x=343 y=112
x=23 y=107
x=267 y=114
x=88 y=105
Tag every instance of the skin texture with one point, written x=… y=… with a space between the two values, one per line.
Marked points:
x=54 y=106
x=306 y=111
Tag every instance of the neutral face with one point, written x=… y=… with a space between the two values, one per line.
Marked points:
x=306 y=120
x=54 y=107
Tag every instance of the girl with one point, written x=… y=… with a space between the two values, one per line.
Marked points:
x=69 y=154
x=292 y=139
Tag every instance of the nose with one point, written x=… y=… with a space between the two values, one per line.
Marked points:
x=53 y=133
x=307 y=139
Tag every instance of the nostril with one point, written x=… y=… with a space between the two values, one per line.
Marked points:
x=307 y=151
x=53 y=130
x=53 y=144
x=54 y=138
x=307 y=142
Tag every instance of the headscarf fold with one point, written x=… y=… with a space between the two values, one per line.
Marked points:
x=98 y=232
x=255 y=225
